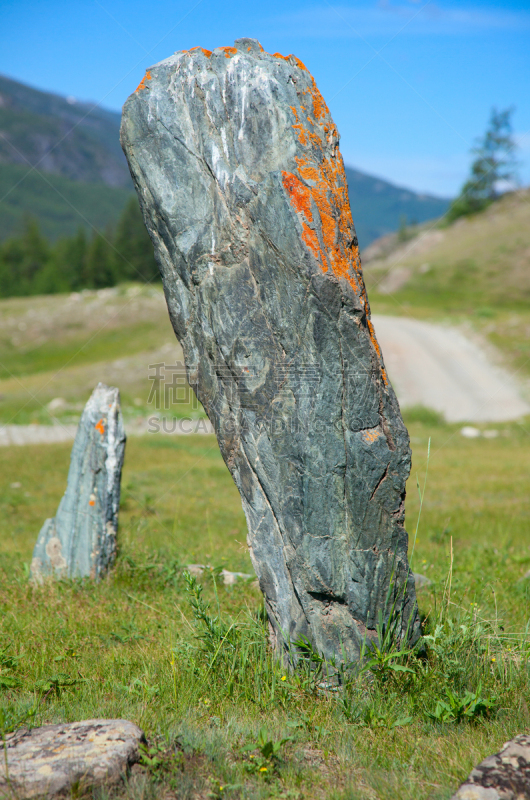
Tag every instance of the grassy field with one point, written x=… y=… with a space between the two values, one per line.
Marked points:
x=60 y=347
x=191 y=665
x=133 y=646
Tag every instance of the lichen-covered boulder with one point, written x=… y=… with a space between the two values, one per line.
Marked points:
x=502 y=776
x=80 y=541
x=57 y=759
x=235 y=159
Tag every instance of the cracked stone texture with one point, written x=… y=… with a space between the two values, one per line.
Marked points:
x=236 y=163
x=50 y=760
x=80 y=541
x=503 y=776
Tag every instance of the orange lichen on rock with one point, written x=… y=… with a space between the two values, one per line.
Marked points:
x=207 y=53
x=296 y=60
x=229 y=51
x=298 y=63
x=371 y=436
x=299 y=127
x=300 y=196
x=320 y=108
x=141 y=85
x=321 y=191
x=100 y=426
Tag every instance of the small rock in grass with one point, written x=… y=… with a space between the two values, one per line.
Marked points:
x=57 y=404
x=50 y=760
x=468 y=432
x=503 y=776
x=421 y=581
x=229 y=578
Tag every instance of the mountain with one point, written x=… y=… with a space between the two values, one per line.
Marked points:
x=80 y=175
x=379 y=207
x=76 y=140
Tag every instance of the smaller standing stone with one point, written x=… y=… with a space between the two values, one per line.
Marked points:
x=503 y=776
x=50 y=760
x=80 y=541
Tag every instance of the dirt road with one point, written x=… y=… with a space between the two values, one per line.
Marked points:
x=440 y=368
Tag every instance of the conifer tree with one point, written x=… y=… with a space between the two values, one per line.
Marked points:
x=494 y=165
x=135 y=259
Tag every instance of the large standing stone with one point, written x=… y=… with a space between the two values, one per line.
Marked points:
x=236 y=163
x=80 y=541
x=53 y=759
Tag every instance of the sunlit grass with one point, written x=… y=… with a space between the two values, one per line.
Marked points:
x=131 y=646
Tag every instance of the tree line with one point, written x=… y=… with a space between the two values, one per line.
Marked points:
x=30 y=264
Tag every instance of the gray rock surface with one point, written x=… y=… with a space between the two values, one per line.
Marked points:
x=236 y=163
x=80 y=541
x=50 y=760
x=421 y=581
x=503 y=776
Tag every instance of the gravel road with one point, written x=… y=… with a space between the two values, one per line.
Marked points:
x=429 y=365
x=440 y=368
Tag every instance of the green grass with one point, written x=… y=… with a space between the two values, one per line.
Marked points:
x=55 y=355
x=59 y=346
x=133 y=647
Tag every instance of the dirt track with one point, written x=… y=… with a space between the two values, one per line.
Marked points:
x=429 y=365
x=440 y=368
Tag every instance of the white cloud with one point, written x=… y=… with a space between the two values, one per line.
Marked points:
x=388 y=18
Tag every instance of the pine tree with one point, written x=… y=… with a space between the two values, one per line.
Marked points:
x=134 y=256
x=98 y=268
x=493 y=165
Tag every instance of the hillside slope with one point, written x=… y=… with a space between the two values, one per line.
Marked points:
x=76 y=140
x=474 y=273
x=378 y=207
x=60 y=205
x=480 y=260
x=79 y=143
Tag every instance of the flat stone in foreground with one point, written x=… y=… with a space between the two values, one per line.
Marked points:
x=80 y=541
x=50 y=760
x=503 y=776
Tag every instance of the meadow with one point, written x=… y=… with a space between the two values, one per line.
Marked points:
x=193 y=669
x=187 y=657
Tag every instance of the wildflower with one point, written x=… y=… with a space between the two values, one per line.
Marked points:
x=284 y=677
x=493 y=658
x=263 y=769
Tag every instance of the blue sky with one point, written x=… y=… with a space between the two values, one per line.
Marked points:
x=409 y=83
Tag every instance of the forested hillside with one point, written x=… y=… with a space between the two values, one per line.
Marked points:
x=80 y=177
